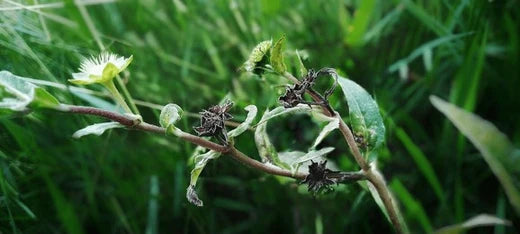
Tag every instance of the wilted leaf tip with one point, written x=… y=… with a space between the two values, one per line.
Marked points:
x=192 y=196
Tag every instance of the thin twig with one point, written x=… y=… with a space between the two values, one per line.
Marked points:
x=233 y=152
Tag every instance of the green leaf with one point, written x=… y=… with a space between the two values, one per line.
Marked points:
x=302 y=71
x=422 y=162
x=298 y=159
x=364 y=115
x=331 y=126
x=267 y=151
x=170 y=114
x=364 y=13
x=257 y=54
x=96 y=129
x=200 y=162
x=19 y=95
x=313 y=154
x=276 y=59
x=477 y=221
x=265 y=148
x=424 y=49
x=279 y=111
x=496 y=149
x=252 y=111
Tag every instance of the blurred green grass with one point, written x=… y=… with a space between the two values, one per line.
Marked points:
x=187 y=52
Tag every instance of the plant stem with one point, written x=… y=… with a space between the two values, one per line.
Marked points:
x=372 y=175
x=233 y=152
x=116 y=95
x=239 y=156
x=127 y=95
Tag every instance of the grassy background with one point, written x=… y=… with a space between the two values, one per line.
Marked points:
x=187 y=52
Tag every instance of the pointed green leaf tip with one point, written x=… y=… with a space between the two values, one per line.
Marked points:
x=276 y=60
x=252 y=111
x=16 y=94
x=257 y=54
x=170 y=114
x=367 y=123
x=498 y=152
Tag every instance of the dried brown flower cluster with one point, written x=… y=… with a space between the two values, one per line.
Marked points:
x=212 y=122
x=318 y=178
x=294 y=94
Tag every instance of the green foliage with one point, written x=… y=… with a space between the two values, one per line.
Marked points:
x=277 y=59
x=256 y=55
x=170 y=114
x=244 y=126
x=413 y=206
x=200 y=162
x=498 y=152
x=19 y=95
x=477 y=221
x=363 y=116
x=266 y=149
x=333 y=123
x=186 y=53
x=377 y=198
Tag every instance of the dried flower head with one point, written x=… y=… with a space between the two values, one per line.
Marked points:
x=212 y=121
x=100 y=69
x=294 y=94
x=318 y=178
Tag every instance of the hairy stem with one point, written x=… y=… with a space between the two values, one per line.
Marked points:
x=233 y=152
x=127 y=95
x=116 y=95
x=239 y=156
x=388 y=201
x=375 y=178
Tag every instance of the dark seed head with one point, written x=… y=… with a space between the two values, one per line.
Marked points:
x=294 y=94
x=212 y=120
x=318 y=179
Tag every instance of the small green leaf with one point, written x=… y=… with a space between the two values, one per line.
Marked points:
x=313 y=154
x=96 y=129
x=252 y=111
x=200 y=162
x=299 y=161
x=276 y=59
x=331 y=126
x=257 y=54
x=302 y=71
x=170 y=114
x=44 y=99
x=18 y=95
x=477 y=221
x=364 y=115
x=279 y=111
x=496 y=149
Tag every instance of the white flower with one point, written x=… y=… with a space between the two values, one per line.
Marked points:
x=100 y=69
